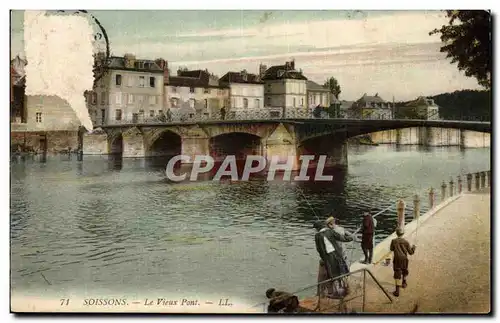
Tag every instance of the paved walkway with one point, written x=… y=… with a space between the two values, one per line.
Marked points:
x=450 y=271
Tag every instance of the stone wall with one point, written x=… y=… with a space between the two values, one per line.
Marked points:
x=54 y=141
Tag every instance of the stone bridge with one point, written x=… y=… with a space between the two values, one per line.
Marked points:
x=281 y=138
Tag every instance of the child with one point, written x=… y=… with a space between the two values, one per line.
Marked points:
x=401 y=248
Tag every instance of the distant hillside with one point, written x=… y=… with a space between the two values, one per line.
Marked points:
x=462 y=105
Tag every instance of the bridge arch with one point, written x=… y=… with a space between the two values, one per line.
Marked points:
x=115 y=143
x=164 y=143
x=239 y=144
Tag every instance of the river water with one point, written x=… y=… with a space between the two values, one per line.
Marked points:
x=102 y=225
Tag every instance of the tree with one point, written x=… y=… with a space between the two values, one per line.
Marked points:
x=467 y=40
x=333 y=85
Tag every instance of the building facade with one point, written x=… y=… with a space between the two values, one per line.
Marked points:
x=246 y=93
x=371 y=107
x=421 y=108
x=195 y=94
x=285 y=88
x=317 y=95
x=131 y=90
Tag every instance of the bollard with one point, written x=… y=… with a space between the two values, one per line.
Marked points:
x=488 y=173
x=416 y=207
x=452 y=192
x=483 y=179
x=477 y=181
x=443 y=191
x=431 y=198
x=469 y=182
x=400 y=206
x=459 y=181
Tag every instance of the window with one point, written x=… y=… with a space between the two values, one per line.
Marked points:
x=38 y=117
x=118 y=114
x=103 y=116
x=141 y=81
x=245 y=103
x=119 y=98
x=140 y=98
x=192 y=102
x=257 y=103
x=140 y=65
x=152 y=100
x=130 y=81
x=206 y=103
x=294 y=101
x=94 y=98
x=173 y=102
x=206 y=90
x=151 y=113
x=174 y=89
x=191 y=89
x=302 y=102
x=103 y=98
x=118 y=80
x=152 y=82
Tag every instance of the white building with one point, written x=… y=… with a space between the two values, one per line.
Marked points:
x=195 y=93
x=246 y=93
x=422 y=108
x=131 y=89
x=317 y=95
x=285 y=88
x=371 y=107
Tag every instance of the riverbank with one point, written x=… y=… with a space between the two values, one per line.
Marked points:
x=450 y=271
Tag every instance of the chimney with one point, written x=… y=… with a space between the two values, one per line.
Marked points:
x=244 y=75
x=262 y=70
x=129 y=60
x=287 y=66
x=163 y=64
x=292 y=64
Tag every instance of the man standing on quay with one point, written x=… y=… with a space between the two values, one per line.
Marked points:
x=329 y=247
x=367 y=231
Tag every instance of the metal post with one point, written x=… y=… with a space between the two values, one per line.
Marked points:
x=459 y=184
x=400 y=206
x=483 y=179
x=431 y=198
x=451 y=187
x=364 y=290
x=443 y=191
x=469 y=182
x=477 y=181
x=416 y=207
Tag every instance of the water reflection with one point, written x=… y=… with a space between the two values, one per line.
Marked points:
x=105 y=220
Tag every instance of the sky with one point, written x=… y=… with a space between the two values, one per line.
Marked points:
x=384 y=52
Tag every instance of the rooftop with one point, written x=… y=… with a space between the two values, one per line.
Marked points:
x=146 y=65
x=195 y=78
x=313 y=86
x=286 y=71
x=240 y=77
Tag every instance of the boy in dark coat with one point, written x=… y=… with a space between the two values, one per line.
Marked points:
x=367 y=238
x=401 y=248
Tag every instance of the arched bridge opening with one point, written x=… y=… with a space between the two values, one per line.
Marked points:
x=168 y=143
x=236 y=144
x=116 y=145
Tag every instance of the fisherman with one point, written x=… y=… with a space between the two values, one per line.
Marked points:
x=280 y=301
x=367 y=231
x=329 y=246
x=401 y=248
x=322 y=271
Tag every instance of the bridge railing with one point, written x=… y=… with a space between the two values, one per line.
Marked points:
x=177 y=117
